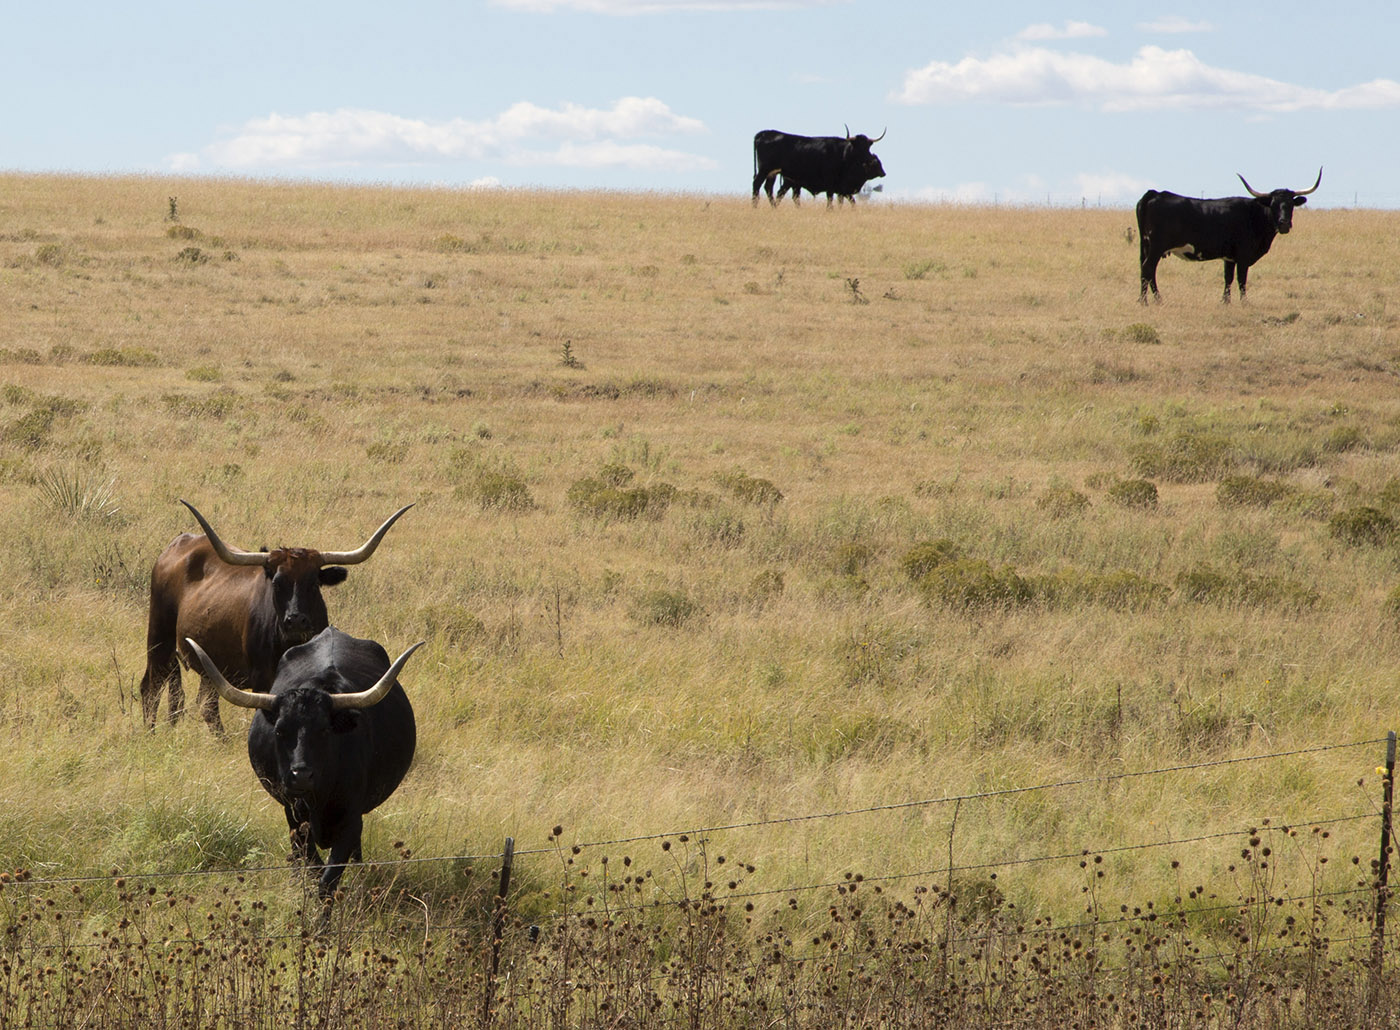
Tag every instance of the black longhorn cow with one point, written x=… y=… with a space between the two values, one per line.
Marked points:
x=836 y=166
x=1237 y=230
x=331 y=740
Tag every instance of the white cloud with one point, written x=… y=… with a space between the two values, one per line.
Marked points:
x=1110 y=186
x=1175 y=23
x=622 y=7
x=1069 y=30
x=524 y=133
x=1154 y=79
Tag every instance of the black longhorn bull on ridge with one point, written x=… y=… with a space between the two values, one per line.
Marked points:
x=1237 y=230
x=836 y=166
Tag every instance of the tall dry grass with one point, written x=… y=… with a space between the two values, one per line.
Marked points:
x=1153 y=536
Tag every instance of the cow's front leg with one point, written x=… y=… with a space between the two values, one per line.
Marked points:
x=1230 y=278
x=344 y=845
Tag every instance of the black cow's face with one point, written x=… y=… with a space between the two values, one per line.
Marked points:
x=1281 y=204
x=304 y=732
x=874 y=169
x=297 y=577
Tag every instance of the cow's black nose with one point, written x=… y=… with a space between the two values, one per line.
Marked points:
x=296 y=621
x=300 y=778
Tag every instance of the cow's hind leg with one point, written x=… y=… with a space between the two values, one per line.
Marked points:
x=162 y=674
x=1242 y=271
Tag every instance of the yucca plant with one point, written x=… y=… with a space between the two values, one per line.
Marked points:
x=72 y=493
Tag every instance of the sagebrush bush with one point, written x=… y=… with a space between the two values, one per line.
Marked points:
x=1251 y=492
x=670 y=608
x=1362 y=526
x=1134 y=493
x=747 y=488
x=1187 y=457
x=923 y=558
x=1059 y=502
x=974 y=583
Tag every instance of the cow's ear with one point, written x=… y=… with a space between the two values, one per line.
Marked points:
x=270 y=714
x=1299 y=201
x=343 y=721
x=332 y=574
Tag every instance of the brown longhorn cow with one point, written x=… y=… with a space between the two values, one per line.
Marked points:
x=245 y=608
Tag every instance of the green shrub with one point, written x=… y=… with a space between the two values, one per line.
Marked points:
x=216 y=405
x=665 y=608
x=1140 y=332
x=183 y=232
x=204 y=374
x=129 y=357
x=492 y=482
x=1343 y=439
x=1251 y=492
x=1206 y=584
x=850 y=558
x=973 y=583
x=921 y=559
x=1060 y=502
x=50 y=254
x=391 y=452
x=1134 y=493
x=1185 y=458
x=766 y=585
x=600 y=499
x=191 y=256
x=30 y=431
x=747 y=488
x=1362 y=526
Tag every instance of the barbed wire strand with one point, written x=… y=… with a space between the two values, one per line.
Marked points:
x=726 y=827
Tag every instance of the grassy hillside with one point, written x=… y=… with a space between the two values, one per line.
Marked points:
x=722 y=515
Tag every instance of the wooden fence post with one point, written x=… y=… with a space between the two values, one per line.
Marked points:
x=498 y=926
x=1383 y=869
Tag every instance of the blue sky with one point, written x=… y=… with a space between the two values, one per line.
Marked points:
x=1009 y=102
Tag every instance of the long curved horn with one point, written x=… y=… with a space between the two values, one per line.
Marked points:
x=1252 y=191
x=847 y=128
x=232 y=555
x=230 y=693
x=1304 y=193
x=363 y=552
x=878 y=138
x=375 y=694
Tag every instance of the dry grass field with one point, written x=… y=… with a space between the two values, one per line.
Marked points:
x=722 y=516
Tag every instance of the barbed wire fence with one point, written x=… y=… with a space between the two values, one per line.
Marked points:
x=503 y=930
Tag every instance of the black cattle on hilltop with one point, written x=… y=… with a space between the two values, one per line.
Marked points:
x=244 y=607
x=836 y=166
x=331 y=740
x=1237 y=230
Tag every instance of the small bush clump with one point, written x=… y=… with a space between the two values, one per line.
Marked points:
x=1134 y=493
x=1140 y=332
x=1362 y=526
x=1251 y=492
x=493 y=483
x=749 y=489
x=126 y=357
x=1185 y=458
x=973 y=583
x=1060 y=502
x=1205 y=584
x=670 y=608
x=921 y=559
